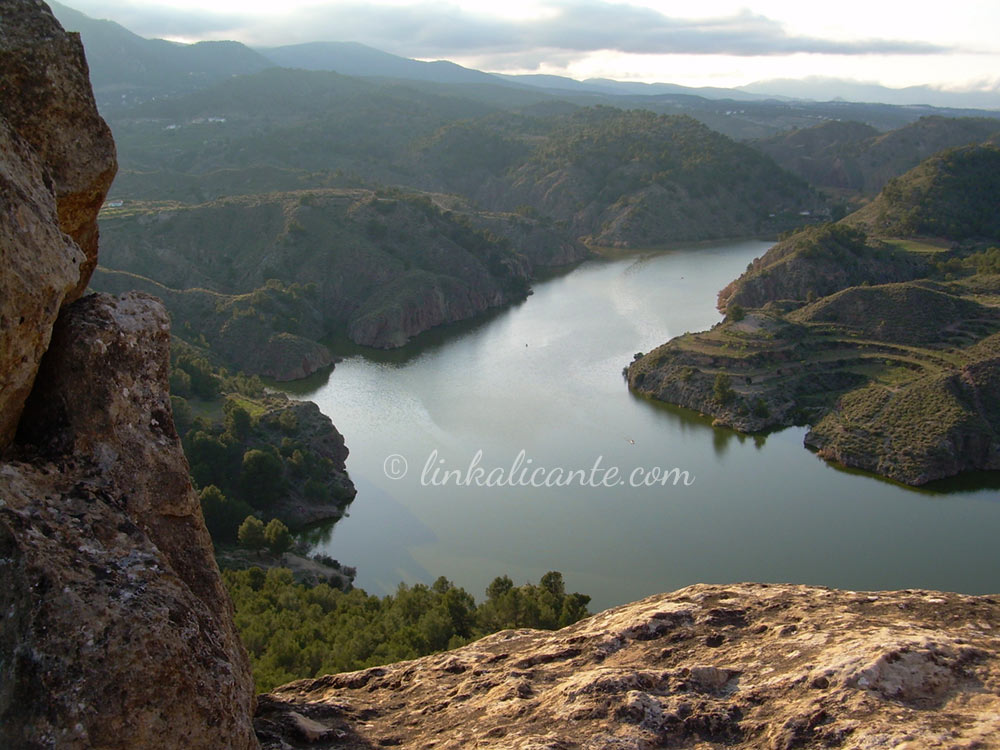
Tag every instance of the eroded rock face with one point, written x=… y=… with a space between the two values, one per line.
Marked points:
x=118 y=633
x=46 y=97
x=741 y=666
x=115 y=630
x=39 y=266
x=58 y=162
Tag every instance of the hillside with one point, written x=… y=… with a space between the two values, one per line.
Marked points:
x=819 y=261
x=280 y=124
x=896 y=379
x=955 y=194
x=220 y=195
x=853 y=158
x=900 y=379
x=285 y=269
x=635 y=179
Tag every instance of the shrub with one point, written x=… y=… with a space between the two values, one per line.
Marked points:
x=722 y=389
x=251 y=533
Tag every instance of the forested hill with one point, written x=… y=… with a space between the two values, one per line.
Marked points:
x=634 y=178
x=955 y=194
x=856 y=158
x=881 y=331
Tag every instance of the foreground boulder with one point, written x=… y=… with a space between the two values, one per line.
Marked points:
x=40 y=266
x=741 y=666
x=58 y=162
x=46 y=97
x=117 y=632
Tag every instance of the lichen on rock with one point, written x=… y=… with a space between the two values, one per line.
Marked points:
x=743 y=666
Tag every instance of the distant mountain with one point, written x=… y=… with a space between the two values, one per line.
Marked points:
x=126 y=68
x=608 y=87
x=855 y=157
x=819 y=88
x=354 y=59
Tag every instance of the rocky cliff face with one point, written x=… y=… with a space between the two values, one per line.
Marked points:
x=739 y=666
x=115 y=630
x=118 y=632
x=46 y=98
x=377 y=268
x=816 y=262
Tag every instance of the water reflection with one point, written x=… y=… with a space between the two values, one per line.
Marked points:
x=762 y=507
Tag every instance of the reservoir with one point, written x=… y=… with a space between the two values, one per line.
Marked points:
x=513 y=446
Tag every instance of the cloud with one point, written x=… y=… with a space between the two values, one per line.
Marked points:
x=428 y=30
x=160 y=21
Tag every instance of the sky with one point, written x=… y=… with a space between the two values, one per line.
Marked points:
x=708 y=43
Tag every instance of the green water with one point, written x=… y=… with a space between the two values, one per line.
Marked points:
x=544 y=377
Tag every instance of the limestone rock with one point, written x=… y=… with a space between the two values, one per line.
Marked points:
x=740 y=666
x=46 y=97
x=117 y=631
x=40 y=266
x=58 y=160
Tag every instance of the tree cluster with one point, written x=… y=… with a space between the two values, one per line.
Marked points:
x=294 y=631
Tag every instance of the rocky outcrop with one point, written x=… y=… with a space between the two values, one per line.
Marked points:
x=118 y=633
x=299 y=504
x=741 y=666
x=47 y=99
x=59 y=161
x=40 y=267
x=115 y=631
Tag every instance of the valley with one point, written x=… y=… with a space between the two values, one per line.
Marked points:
x=540 y=334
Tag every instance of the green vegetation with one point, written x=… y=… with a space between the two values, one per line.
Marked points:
x=851 y=159
x=722 y=388
x=295 y=631
x=251 y=533
x=279 y=539
x=897 y=378
x=644 y=179
x=252 y=452
x=953 y=195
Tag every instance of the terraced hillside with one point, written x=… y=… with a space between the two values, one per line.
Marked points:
x=898 y=378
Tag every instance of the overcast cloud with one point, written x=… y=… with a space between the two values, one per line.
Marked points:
x=432 y=30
